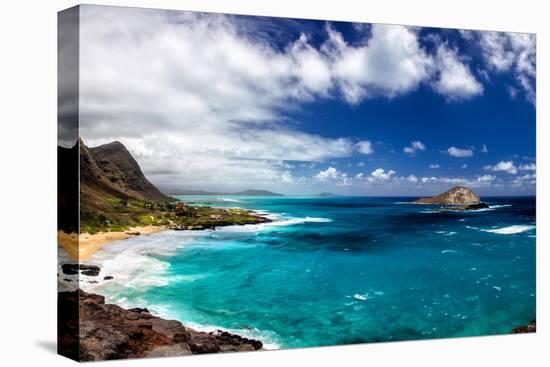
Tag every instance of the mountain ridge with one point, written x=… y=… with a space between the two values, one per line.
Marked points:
x=110 y=171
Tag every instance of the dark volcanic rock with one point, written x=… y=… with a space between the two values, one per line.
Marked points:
x=72 y=269
x=89 y=270
x=466 y=207
x=531 y=328
x=236 y=340
x=105 y=331
x=456 y=196
x=253 y=219
x=108 y=277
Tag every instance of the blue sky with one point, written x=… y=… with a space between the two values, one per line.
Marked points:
x=215 y=102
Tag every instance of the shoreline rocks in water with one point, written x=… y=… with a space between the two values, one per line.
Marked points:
x=219 y=223
x=91 y=330
x=73 y=269
x=466 y=207
x=530 y=328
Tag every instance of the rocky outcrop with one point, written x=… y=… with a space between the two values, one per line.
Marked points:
x=109 y=171
x=456 y=196
x=73 y=269
x=221 y=222
x=466 y=207
x=530 y=328
x=100 y=331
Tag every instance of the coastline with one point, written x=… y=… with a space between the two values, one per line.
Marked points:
x=107 y=331
x=81 y=247
x=161 y=336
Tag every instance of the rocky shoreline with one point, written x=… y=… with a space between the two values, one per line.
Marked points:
x=91 y=330
x=529 y=328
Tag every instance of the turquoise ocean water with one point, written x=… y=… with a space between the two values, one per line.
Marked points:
x=337 y=270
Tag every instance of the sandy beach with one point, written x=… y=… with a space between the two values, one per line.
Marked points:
x=83 y=246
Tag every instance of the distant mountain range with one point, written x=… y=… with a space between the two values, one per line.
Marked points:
x=250 y=192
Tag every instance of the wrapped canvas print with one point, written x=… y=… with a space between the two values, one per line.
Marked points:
x=241 y=183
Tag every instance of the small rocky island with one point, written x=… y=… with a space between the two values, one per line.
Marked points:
x=457 y=198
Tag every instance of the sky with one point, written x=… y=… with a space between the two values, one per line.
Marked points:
x=226 y=103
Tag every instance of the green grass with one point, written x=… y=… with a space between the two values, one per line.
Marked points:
x=122 y=214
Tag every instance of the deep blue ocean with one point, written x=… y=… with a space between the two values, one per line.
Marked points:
x=337 y=270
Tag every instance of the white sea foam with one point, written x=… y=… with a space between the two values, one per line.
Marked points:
x=446 y=233
x=133 y=263
x=514 y=229
x=449 y=252
x=481 y=210
x=277 y=222
x=361 y=297
x=500 y=206
x=292 y=221
x=268 y=339
x=231 y=200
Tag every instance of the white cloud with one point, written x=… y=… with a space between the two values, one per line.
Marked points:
x=484 y=149
x=412 y=178
x=486 y=178
x=380 y=174
x=461 y=153
x=455 y=80
x=515 y=53
x=365 y=147
x=414 y=147
x=389 y=64
x=434 y=166
x=464 y=166
x=360 y=164
x=528 y=167
x=530 y=179
x=503 y=166
x=444 y=182
x=330 y=173
x=286 y=177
